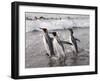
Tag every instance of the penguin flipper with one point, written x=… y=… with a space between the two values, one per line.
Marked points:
x=66 y=42
x=77 y=40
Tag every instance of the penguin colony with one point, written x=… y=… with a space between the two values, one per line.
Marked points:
x=55 y=47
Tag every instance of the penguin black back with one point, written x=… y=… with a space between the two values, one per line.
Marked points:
x=73 y=40
x=48 y=41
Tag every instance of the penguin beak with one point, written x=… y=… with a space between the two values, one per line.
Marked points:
x=54 y=33
x=40 y=28
x=68 y=28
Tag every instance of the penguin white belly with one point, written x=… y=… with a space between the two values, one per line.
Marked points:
x=72 y=46
x=46 y=45
x=58 y=49
x=70 y=39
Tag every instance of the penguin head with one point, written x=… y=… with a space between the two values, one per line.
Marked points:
x=44 y=30
x=71 y=31
x=54 y=33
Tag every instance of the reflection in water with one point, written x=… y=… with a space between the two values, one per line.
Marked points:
x=56 y=62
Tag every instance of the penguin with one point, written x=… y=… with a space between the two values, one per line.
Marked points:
x=47 y=42
x=59 y=48
x=61 y=43
x=57 y=44
x=73 y=40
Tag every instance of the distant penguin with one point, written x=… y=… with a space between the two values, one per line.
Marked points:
x=73 y=40
x=47 y=42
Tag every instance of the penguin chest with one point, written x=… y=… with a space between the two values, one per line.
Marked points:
x=70 y=39
x=46 y=45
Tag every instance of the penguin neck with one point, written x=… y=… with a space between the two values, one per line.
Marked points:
x=55 y=37
x=71 y=34
x=46 y=35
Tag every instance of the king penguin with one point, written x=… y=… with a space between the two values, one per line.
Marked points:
x=59 y=49
x=60 y=43
x=73 y=40
x=58 y=46
x=47 y=42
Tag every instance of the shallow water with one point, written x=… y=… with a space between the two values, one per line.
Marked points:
x=35 y=54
